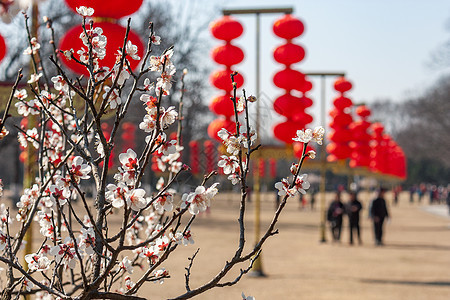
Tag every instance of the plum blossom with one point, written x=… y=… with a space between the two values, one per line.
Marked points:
x=34 y=78
x=21 y=94
x=234 y=178
x=116 y=194
x=129 y=160
x=161 y=274
x=240 y=104
x=307 y=135
x=168 y=116
x=283 y=188
x=151 y=253
x=156 y=40
x=37 y=262
x=136 y=199
x=33 y=49
x=65 y=253
x=87 y=240
x=28 y=284
x=125 y=265
x=200 y=199
x=164 y=203
x=228 y=163
x=85 y=11
x=301 y=184
x=3 y=240
x=114 y=98
x=132 y=50
x=79 y=170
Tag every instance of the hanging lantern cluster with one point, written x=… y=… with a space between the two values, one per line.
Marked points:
x=360 y=143
x=210 y=154
x=288 y=79
x=194 y=161
x=397 y=160
x=128 y=136
x=378 y=160
x=341 y=135
x=107 y=13
x=225 y=29
x=2 y=47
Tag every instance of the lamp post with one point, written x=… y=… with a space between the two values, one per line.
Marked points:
x=323 y=161
x=257 y=269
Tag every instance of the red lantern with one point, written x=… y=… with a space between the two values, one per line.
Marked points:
x=305 y=86
x=128 y=136
x=227 y=54
x=210 y=155
x=273 y=167
x=288 y=27
x=288 y=105
x=289 y=54
x=287 y=130
x=221 y=79
x=216 y=125
x=2 y=47
x=222 y=105
x=342 y=102
x=342 y=85
x=114 y=9
x=114 y=33
x=288 y=79
x=363 y=111
x=194 y=147
x=226 y=28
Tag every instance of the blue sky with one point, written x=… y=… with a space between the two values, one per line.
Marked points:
x=383 y=46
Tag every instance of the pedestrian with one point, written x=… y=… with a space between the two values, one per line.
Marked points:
x=334 y=216
x=353 y=209
x=378 y=212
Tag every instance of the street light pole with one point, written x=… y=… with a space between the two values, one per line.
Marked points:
x=257 y=269
x=323 y=161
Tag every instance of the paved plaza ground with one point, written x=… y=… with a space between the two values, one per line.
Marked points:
x=413 y=264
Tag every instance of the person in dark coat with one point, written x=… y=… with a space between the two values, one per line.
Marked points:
x=334 y=216
x=378 y=212
x=353 y=209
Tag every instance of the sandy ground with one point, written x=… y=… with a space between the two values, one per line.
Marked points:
x=414 y=263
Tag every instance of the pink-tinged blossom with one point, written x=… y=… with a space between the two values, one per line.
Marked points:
x=65 y=254
x=129 y=160
x=28 y=284
x=37 y=262
x=116 y=194
x=87 y=240
x=35 y=46
x=234 y=178
x=184 y=238
x=164 y=203
x=125 y=265
x=240 y=104
x=307 y=135
x=85 y=11
x=148 y=124
x=3 y=240
x=79 y=170
x=156 y=40
x=283 y=188
x=136 y=199
x=168 y=116
x=161 y=274
x=21 y=94
x=132 y=50
x=34 y=78
x=301 y=185
x=129 y=284
x=200 y=199
x=148 y=86
x=228 y=163
x=114 y=98
x=151 y=253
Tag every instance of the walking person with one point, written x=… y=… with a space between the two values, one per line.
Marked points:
x=334 y=216
x=353 y=210
x=378 y=212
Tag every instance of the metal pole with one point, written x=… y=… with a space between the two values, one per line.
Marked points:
x=257 y=269
x=322 y=167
